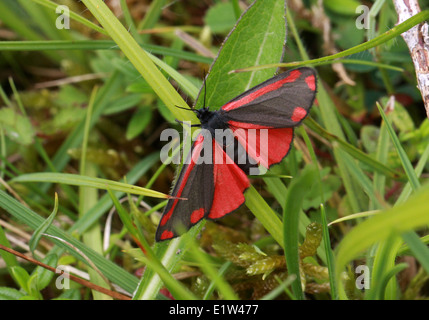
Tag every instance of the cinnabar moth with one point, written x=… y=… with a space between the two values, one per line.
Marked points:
x=213 y=189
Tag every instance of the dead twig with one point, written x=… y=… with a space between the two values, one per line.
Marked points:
x=417 y=40
x=83 y=282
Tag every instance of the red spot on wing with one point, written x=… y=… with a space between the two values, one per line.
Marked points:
x=167 y=235
x=298 y=114
x=311 y=82
x=292 y=77
x=195 y=154
x=266 y=147
x=197 y=215
x=230 y=183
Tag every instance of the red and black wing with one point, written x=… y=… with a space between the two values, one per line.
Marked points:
x=278 y=105
x=280 y=102
x=215 y=189
x=230 y=182
x=195 y=184
x=211 y=190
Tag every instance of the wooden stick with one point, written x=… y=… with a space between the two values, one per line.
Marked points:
x=81 y=281
x=417 y=39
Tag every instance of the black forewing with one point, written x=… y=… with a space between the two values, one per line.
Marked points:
x=195 y=184
x=274 y=108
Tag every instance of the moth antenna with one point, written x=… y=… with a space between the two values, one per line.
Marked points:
x=189 y=109
x=173 y=197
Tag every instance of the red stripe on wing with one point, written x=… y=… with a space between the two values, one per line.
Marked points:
x=195 y=154
x=245 y=125
x=230 y=183
x=293 y=76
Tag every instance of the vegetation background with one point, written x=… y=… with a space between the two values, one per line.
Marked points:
x=82 y=108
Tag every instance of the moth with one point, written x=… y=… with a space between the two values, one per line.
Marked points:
x=213 y=179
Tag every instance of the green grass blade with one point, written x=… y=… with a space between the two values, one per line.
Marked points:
x=37 y=234
x=264 y=214
x=129 y=20
x=151 y=17
x=105 y=203
x=96 y=45
x=330 y=262
x=45 y=19
x=7 y=257
x=402 y=218
x=406 y=191
x=418 y=248
x=383 y=261
x=176 y=288
x=78 y=180
x=112 y=271
x=390 y=276
x=280 y=289
x=362 y=179
x=379 y=40
x=295 y=196
x=379 y=182
x=53 y=6
x=214 y=275
x=124 y=216
x=138 y=57
x=169 y=254
x=409 y=171
x=356 y=153
x=211 y=286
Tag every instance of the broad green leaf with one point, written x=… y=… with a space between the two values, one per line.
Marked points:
x=21 y=277
x=37 y=235
x=44 y=276
x=258 y=38
x=7 y=257
x=32 y=286
x=10 y=294
x=139 y=122
x=70 y=294
x=220 y=17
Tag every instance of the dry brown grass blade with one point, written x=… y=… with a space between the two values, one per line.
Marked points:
x=81 y=281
